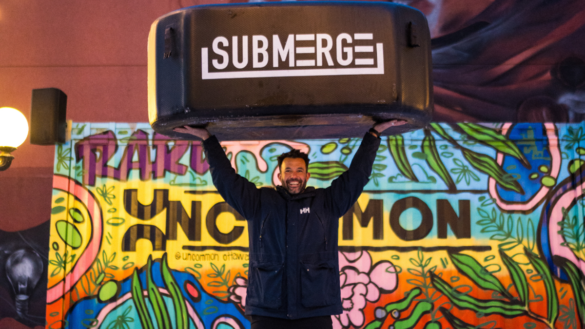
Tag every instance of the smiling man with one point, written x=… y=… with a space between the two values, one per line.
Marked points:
x=293 y=171
x=293 y=277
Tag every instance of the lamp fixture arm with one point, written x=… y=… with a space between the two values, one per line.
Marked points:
x=5 y=157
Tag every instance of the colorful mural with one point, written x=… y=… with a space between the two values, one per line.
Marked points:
x=461 y=226
x=507 y=60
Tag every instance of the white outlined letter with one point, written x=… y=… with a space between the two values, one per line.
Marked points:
x=222 y=53
x=324 y=50
x=244 y=62
x=347 y=50
x=257 y=50
x=280 y=53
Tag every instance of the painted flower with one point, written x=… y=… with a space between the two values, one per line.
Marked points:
x=463 y=172
x=361 y=283
x=238 y=291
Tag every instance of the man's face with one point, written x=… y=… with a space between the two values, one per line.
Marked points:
x=294 y=175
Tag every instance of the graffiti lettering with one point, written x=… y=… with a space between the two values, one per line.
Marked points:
x=236 y=256
x=160 y=202
x=446 y=216
x=211 y=222
x=141 y=231
x=96 y=151
x=460 y=225
x=426 y=219
x=374 y=210
x=199 y=257
x=176 y=216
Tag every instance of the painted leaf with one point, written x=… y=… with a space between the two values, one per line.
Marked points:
x=464 y=301
x=405 y=303
x=441 y=131
x=182 y=317
x=419 y=155
x=379 y=166
x=454 y=321
x=376 y=324
x=160 y=311
x=57 y=210
x=518 y=277
x=396 y=147
x=473 y=270
x=138 y=299
x=326 y=170
x=492 y=138
x=577 y=281
x=429 y=148
x=507 y=246
x=489 y=166
x=541 y=268
x=419 y=311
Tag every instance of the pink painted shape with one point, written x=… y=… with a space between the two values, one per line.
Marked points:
x=556 y=217
x=555 y=169
x=192 y=290
x=225 y=319
x=85 y=260
x=256 y=147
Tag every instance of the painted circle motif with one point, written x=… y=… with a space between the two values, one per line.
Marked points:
x=69 y=234
x=108 y=291
x=76 y=215
x=328 y=148
x=78 y=234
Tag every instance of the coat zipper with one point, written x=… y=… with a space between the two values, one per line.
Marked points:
x=262 y=231
x=324 y=231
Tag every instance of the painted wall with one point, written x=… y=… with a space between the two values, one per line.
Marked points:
x=494 y=61
x=461 y=225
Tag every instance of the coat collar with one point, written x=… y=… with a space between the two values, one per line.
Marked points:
x=308 y=193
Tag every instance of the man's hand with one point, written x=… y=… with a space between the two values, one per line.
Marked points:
x=380 y=127
x=198 y=132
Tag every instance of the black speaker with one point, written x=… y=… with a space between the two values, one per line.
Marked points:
x=290 y=69
x=48 y=123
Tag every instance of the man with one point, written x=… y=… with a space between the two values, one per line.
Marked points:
x=293 y=278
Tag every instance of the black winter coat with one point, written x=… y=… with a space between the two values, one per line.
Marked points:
x=294 y=268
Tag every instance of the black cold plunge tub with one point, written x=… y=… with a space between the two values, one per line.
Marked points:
x=289 y=69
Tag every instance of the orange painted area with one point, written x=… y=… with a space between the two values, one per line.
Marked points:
x=469 y=316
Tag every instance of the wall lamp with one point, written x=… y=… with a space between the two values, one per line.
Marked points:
x=13 y=132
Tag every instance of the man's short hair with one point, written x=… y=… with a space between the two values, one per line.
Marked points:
x=294 y=153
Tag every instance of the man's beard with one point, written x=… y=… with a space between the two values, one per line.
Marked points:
x=299 y=188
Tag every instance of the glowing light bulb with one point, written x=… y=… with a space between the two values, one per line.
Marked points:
x=13 y=127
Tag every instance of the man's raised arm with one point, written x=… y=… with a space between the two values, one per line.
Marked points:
x=237 y=191
x=345 y=189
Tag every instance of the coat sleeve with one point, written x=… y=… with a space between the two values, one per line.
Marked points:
x=346 y=189
x=237 y=191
